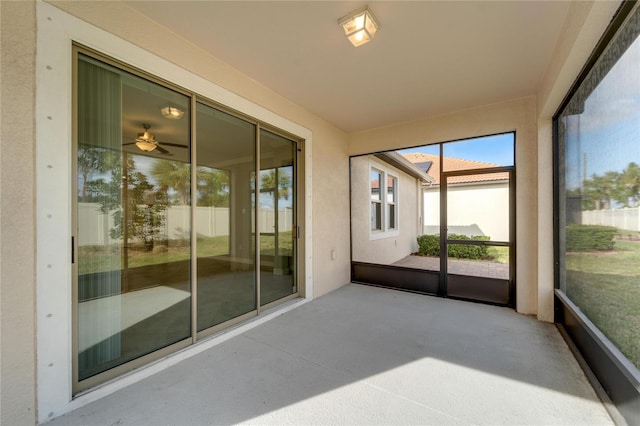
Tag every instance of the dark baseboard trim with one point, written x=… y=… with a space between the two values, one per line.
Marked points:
x=617 y=377
x=400 y=278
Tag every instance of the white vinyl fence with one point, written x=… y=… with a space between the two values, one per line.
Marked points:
x=626 y=218
x=94 y=226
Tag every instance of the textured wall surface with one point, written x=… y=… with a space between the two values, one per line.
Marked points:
x=17 y=214
x=391 y=247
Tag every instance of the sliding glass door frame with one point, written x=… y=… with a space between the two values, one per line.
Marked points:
x=80 y=386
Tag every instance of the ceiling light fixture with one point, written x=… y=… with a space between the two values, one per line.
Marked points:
x=172 y=113
x=359 y=26
x=146 y=141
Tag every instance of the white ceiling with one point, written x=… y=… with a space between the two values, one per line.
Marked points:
x=428 y=58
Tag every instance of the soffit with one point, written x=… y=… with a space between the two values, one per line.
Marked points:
x=428 y=58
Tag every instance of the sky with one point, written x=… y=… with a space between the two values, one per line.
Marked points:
x=496 y=149
x=606 y=135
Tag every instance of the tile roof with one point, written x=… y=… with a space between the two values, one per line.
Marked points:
x=453 y=164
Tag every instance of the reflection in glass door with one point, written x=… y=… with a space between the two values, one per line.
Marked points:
x=277 y=217
x=133 y=293
x=225 y=249
x=479 y=229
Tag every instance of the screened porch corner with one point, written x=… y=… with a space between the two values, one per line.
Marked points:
x=367 y=355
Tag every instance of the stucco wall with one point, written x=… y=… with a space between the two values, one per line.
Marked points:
x=17 y=214
x=17 y=238
x=391 y=247
x=518 y=115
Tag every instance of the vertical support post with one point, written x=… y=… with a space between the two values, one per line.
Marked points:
x=442 y=288
x=193 y=233
x=257 y=221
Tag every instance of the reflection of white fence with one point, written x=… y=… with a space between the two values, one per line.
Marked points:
x=94 y=226
x=267 y=220
x=627 y=218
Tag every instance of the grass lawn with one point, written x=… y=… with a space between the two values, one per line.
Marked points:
x=108 y=258
x=606 y=287
x=498 y=254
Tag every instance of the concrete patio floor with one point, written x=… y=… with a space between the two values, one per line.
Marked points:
x=475 y=268
x=367 y=355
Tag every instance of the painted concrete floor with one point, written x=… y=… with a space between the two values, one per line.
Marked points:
x=366 y=355
x=474 y=268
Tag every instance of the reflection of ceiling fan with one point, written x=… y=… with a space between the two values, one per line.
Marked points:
x=146 y=141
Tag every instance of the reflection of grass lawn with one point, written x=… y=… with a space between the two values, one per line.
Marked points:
x=606 y=287
x=106 y=258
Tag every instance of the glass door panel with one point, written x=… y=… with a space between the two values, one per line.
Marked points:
x=478 y=225
x=133 y=226
x=277 y=217
x=224 y=226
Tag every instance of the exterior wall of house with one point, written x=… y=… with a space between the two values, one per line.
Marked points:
x=17 y=214
x=493 y=221
x=367 y=247
x=129 y=39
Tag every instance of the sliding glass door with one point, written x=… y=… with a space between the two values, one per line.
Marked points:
x=133 y=226
x=225 y=247
x=166 y=252
x=277 y=224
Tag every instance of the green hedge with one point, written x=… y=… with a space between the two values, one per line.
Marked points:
x=590 y=238
x=429 y=245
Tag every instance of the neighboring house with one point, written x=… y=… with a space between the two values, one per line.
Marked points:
x=464 y=191
x=386 y=221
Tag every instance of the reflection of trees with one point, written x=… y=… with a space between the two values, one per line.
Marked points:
x=268 y=182
x=601 y=190
x=622 y=187
x=630 y=179
x=143 y=208
x=92 y=161
x=213 y=187
x=213 y=184
x=174 y=175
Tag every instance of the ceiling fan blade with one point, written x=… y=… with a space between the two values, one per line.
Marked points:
x=130 y=143
x=162 y=150
x=173 y=144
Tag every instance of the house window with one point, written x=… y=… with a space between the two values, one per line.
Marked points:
x=384 y=201
x=392 y=197
x=376 y=200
